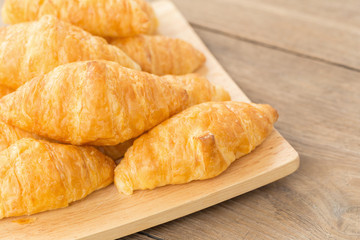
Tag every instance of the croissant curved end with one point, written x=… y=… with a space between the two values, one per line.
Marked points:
x=221 y=94
x=270 y=113
x=122 y=182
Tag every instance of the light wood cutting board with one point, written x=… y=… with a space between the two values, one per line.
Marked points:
x=106 y=214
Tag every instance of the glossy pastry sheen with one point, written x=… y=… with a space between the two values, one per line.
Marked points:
x=36 y=176
x=198 y=143
x=38 y=47
x=199 y=90
x=161 y=55
x=111 y=18
x=92 y=102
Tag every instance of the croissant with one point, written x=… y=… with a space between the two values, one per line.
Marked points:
x=116 y=18
x=4 y=91
x=198 y=143
x=37 y=47
x=92 y=102
x=199 y=90
x=161 y=55
x=36 y=176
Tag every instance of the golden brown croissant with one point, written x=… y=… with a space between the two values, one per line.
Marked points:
x=199 y=90
x=116 y=18
x=92 y=102
x=38 y=47
x=36 y=176
x=161 y=55
x=5 y=91
x=198 y=143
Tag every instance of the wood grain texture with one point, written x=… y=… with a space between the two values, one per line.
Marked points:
x=295 y=26
x=345 y=11
x=320 y=116
x=106 y=214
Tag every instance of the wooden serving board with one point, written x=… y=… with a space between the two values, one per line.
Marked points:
x=106 y=214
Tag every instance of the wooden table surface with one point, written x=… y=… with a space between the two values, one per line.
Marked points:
x=302 y=57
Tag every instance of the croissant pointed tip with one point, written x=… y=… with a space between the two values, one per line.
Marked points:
x=221 y=94
x=122 y=182
x=271 y=113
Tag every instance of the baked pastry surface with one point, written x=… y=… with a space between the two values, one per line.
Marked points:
x=38 y=47
x=9 y=135
x=161 y=55
x=199 y=90
x=36 y=176
x=198 y=143
x=92 y=102
x=115 y=18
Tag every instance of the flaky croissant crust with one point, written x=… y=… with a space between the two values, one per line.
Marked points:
x=199 y=90
x=38 y=47
x=36 y=176
x=93 y=102
x=116 y=18
x=101 y=103
x=161 y=55
x=198 y=143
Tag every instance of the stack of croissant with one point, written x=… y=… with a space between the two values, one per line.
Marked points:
x=72 y=103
